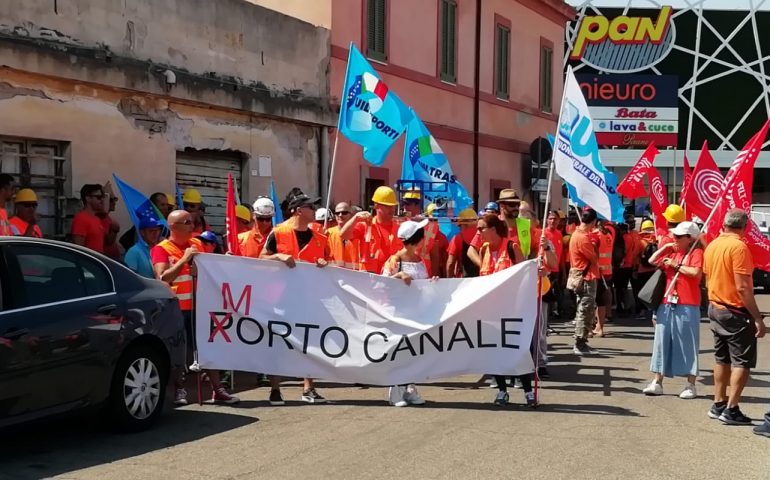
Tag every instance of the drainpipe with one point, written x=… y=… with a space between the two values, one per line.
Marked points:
x=476 y=90
x=323 y=162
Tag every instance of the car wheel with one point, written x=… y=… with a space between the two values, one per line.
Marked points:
x=138 y=389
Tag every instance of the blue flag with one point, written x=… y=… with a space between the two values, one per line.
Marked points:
x=370 y=115
x=278 y=215
x=138 y=206
x=571 y=193
x=576 y=155
x=426 y=164
x=179 y=201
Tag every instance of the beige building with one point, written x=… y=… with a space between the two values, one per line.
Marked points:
x=163 y=92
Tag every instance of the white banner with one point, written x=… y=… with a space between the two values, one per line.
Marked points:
x=353 y=327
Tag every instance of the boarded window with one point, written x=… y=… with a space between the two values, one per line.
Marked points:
x=546 y=79
x=502 y=57
x=448 y=45
x=376 y=30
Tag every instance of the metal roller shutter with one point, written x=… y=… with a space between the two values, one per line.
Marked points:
x=206 y=171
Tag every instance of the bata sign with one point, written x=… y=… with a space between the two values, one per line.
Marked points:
x=623 y=44
x=632 y=110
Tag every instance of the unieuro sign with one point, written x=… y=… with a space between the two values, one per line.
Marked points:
x=624 y=43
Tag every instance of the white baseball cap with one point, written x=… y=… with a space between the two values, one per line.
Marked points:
x=320 y=215
x=409 y=228
x=686 y=228
x=264 y=207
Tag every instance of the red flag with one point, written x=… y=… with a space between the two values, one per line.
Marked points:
x=759 y=246
x=705 y=183
x=658 y=199
x=736 y=189
x=231 y=221
x=687 y=178
x=632 y=185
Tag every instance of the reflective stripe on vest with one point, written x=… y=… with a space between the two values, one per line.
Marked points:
x=523 y=229
x=183 y=284
x=503 y=259
x=605 y=253
x=286 y=242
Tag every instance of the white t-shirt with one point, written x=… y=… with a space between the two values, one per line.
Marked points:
x=416 y=270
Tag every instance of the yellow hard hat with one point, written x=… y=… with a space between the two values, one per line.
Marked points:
x=647 y=224
x=467 y=215
x=192 y=195
x=674 y=213
x=430 y=209
x=243 y=213
x=385 y=196
x=171 y=200
x=25 y=195
x=412 y=194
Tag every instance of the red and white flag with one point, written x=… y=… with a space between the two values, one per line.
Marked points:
x=632 y=185
x=231 y=220
x=687 y=177
x=705 y=184
x=658 y=200
x=736 y=189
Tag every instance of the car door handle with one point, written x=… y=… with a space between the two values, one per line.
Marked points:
x=16 y=333
x=107 y=308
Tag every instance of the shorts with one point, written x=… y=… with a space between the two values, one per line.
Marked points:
x=603 y=294
x=735 y=341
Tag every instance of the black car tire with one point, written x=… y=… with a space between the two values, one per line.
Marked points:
x=146 y=412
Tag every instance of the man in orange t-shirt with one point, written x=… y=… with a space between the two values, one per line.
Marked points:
x=735 y=319
x=584 y=265
x=87 y=228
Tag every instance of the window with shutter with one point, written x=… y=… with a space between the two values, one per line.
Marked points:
x=502 y=67
x=448 y=71
x=376 y=30
x=546 y=79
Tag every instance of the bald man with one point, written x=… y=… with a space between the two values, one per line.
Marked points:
x=345 y=253
x=172 y=263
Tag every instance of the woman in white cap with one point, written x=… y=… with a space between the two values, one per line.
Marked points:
x=677 y=322
x=407 y=265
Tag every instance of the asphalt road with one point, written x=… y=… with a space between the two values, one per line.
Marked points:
x=593 y=423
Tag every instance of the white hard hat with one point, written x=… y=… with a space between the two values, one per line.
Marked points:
x=320 y=215
x=264 y=207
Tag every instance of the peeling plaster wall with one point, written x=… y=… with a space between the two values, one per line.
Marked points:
x=112 y=132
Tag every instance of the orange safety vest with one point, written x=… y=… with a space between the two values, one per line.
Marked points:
x=376 y=249
x=606 y=240
x=344 y=253
x=286 y=242
x=183 y=284
x=22 y=226
x=317 y=227
x=489 y=265
x=251 y=242
x=431 y=234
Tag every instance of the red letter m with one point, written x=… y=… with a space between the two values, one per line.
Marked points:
x=227 y=296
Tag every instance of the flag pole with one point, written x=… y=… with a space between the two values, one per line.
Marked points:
x=541 y=253
x=336 y=138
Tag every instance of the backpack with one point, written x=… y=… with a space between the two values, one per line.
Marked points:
x=651 y=248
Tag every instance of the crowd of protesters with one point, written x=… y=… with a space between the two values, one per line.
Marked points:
x=586 y=264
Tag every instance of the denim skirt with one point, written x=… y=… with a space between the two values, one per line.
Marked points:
x=677 y=338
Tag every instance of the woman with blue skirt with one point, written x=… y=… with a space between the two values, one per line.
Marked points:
x=677 y=321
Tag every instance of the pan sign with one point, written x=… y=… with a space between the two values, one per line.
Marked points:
x=624 y=44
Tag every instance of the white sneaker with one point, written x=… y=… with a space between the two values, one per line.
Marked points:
x=396 y=396
x=412 y=396
x=689 y=392
x=654 y=388
x=180 y=398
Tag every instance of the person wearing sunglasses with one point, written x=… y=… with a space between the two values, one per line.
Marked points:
x=87 y=228
x=294 y=241
x=344 y=253
x=172 y=262
x=253 y=241
x=25 y=220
